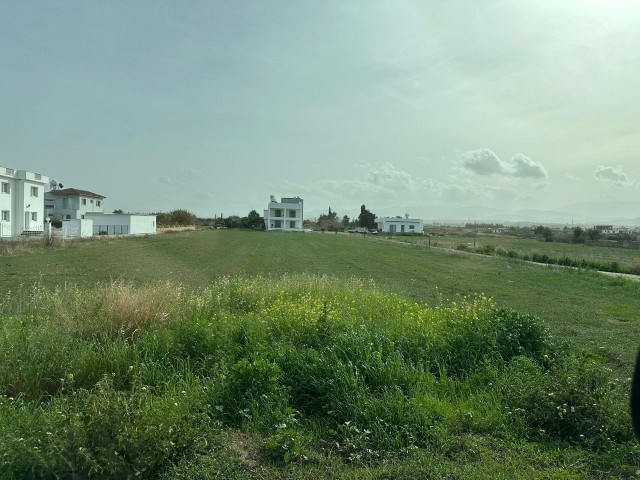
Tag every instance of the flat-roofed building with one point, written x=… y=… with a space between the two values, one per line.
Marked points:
x=285 y=215
x=21 y=202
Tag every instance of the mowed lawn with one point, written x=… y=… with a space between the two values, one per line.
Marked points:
x=591 y=310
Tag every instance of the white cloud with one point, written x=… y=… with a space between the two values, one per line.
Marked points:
x=613 y=175
x=483 y=162
x=166 y=179
x=524 y=167
x=193 y=174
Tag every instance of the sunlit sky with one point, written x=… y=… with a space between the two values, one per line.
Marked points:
x=469 y=110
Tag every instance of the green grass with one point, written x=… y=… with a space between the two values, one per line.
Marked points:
x=523 y=246
x=297 y=377
x=592 y=310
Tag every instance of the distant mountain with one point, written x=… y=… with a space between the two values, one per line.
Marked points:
x=595 y=212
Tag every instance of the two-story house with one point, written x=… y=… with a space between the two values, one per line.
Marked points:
x=21 y=202
x=285 y=215
x=72 y=203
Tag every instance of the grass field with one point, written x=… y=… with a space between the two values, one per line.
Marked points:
x=243 y=355
x=594 y=311
x=577 y=251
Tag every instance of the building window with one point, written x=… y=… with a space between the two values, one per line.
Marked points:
x=98 y=203
x=292 y=224
x=91 y=201
x=68 y=217
x=411 y=227
x=9 y=171
x=65 y=203
x=34 y=216
x=292 y=214
x=5 y=187
x=84 y=201
x=38 y=176
x=6 y=215
x=34 y=191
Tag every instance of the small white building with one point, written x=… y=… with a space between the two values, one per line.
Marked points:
x=72 y=203
x=400 y=225
x=285 y=215
x=21 y=202
x=122 y=223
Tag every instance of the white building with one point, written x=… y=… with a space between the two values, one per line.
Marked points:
x=122 y=223
x=72 y=203
x=285 y=215
x=400 y=225
x=21 y=202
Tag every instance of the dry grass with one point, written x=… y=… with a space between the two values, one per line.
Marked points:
x=117 y=308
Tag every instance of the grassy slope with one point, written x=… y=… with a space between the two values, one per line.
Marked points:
x=624 y=256
x=594 y=311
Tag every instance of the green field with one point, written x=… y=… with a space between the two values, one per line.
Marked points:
x=593 y=310
x=577 y=251
x=247 y=355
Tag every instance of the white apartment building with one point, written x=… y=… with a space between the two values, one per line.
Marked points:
x=400 y=225
x=285 y=215
x=72 y=203
x=21 y=202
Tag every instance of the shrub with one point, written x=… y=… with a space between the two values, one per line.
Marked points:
x=575 y=401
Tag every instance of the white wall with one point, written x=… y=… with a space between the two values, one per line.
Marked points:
x=122 y=223
x=285 y=209
x=21 y=203
x=386 y=224
x=77 y=228
x=75 y=208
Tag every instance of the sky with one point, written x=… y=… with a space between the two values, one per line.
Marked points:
x=446 y=110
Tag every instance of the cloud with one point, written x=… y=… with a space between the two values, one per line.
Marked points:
x=485 y=162
x=613 y=175
x=166 y=179
x=524 y=167
x=193 y=174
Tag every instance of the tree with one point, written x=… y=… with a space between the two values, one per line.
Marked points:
x=366 y=218
x=345 y=221
x=578 y=235
x=254 y=220
x=544 y=232
x=175 y=218
x=118 y=210
x=329 y=221
x=593 y=234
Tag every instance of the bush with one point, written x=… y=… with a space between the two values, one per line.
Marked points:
x=575 y=401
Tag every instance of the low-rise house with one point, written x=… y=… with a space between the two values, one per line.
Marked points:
x=72 y=203
x=285 y=215
x=21 y=202
x=400 y=225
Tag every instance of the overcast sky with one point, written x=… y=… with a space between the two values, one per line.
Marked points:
x=440 y=109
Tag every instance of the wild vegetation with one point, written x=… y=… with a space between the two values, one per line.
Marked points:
x=603 y=266
x=305 y=375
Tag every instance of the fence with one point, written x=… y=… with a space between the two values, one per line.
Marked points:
x=111 y=229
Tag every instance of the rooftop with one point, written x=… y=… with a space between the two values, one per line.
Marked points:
x=76 y=191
